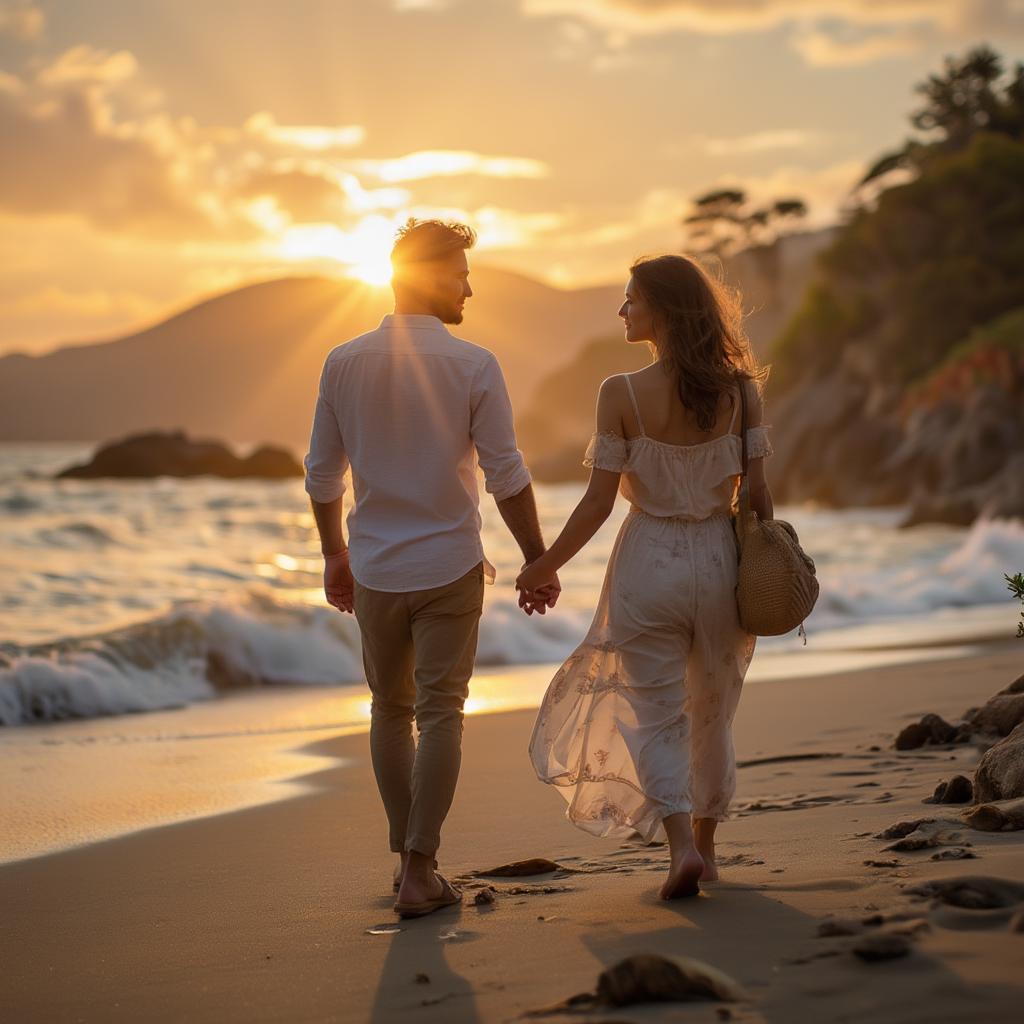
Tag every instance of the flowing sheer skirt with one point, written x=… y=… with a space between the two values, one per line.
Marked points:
x=636 y=725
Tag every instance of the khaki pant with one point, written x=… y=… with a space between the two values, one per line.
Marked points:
x=418 y=652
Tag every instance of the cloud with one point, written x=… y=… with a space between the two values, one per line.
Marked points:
x=305 y=136
x=302 y=195
x=308 y=194
x=760 y=142
x=83 y=64
x=22 y=21
x=62 y=152
x=824 y=49
x=819 y=28
x=449 y=163
x=403 y=6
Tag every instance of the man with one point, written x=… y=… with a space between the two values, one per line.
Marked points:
x=409 y=407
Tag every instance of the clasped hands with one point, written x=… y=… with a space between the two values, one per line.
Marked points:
x=538 y=587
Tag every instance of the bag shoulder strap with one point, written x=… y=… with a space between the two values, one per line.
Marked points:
x=743 y=425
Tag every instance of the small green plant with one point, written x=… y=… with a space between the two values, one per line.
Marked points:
x=1016 y=585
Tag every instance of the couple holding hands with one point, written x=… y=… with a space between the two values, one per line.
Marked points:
x=635 y=727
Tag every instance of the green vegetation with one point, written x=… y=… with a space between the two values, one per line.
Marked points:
x=936 y=258
x=723 y=222
x=991 y=355
x=1016 y=585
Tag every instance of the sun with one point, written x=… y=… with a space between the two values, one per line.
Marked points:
x=372 y=269
x=363 y=250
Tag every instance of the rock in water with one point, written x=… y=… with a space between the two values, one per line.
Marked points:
x=881 y=946
x=1001 y=816
x=647 y=978
x=1000 y=773
x=931 y=730
x=173 y=454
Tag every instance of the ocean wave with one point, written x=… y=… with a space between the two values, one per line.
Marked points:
x=200 y=649
x=188 y=654
x=254 y=637
x=77 y=534
x=971 y=574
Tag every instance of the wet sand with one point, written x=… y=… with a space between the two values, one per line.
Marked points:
x=283 y=911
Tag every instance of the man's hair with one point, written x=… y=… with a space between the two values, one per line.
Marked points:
x=423 y=241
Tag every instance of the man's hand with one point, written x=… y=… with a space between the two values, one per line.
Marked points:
x=538 y=588
x=339 y=585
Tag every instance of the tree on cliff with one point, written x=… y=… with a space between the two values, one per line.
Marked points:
x=723 y=222
x=901 y=377
x=972 y=95
x=936 y=256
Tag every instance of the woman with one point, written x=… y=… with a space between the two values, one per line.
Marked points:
x=635 y=727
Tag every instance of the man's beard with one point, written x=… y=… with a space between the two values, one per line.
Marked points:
x=450 y=315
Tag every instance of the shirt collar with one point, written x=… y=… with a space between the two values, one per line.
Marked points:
x=411 y=320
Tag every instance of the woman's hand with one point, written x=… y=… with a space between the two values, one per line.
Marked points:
x=538 y=587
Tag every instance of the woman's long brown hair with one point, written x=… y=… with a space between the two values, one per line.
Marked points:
x=699 y=332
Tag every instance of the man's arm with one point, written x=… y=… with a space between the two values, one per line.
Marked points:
x=520 y=515
x=339 y=586
x=325 y=464
x=328 y=525
x=505 y=473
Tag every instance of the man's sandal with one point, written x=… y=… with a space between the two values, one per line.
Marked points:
x=396 y=882
x=450 y=895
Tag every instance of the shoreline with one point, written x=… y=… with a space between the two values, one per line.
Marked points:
x=221 y=756
x=282 y=911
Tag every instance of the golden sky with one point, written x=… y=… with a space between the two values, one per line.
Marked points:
x=154 y=151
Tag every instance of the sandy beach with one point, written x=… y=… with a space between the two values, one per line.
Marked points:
x=282 y=912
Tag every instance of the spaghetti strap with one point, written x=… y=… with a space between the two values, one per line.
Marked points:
x=636 y=407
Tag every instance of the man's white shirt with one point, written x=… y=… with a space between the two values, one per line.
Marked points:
x=411 y=408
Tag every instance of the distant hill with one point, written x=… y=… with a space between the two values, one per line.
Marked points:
x=243 y=366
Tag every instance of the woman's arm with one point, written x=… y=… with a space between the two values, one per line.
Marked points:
x=757 y=484
x=594 y=507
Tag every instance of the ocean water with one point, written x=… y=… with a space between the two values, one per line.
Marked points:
x=128 y=596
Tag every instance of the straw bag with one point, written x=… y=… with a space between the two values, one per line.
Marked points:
x=776 y=584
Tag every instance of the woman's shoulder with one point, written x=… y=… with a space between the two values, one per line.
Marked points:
x=613 y=387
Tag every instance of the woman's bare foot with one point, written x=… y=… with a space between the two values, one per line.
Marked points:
x=704 y=838
x=684 y=875
x=710 y=872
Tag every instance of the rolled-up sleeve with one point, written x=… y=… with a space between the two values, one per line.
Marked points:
x=326 y=460
x=494 y=435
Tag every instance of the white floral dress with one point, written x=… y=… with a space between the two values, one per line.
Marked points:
x=636 y=725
